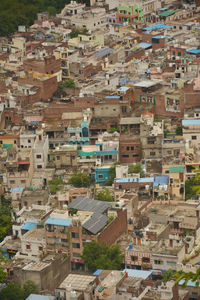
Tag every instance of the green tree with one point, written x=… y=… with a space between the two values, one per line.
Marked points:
x=5 y=218
x=166 y=131
x=189 y=188
x=104 y=195
x=112 y=174
x=74 y=33
x=80 y=180
x=168 y=275
x=102 y=256
x=29 y=288
x=136 y=168
x=69 y=83
x=51 y=10
x=12 y=292
x=114 y=129
x=179 y=130
x=55 y=185
x=185 y=277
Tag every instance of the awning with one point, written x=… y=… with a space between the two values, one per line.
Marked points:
x=25 y=162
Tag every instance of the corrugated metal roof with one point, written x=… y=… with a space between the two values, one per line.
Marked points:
x=16 y=189
x=59 y=222
x=145 y=45
x=112 y=97
x=191 y=122
x=134 y=180
x=40 y=297
x=193 y=51
x=189 y=283
x=138 y=273
x=111 y=152
x=178 y=169
x=169 y=12
x=161 y=180
x=95 y=223
x=87 y=204
x=104 y=52
x=97 y=272
x=157 y=27
x=123 y=89
x=28 y=225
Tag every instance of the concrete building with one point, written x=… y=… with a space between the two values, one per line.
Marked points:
x=40 y=150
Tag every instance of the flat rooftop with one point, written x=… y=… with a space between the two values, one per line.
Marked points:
x=77 y=282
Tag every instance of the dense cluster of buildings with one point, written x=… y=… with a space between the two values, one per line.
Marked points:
x=113 y=85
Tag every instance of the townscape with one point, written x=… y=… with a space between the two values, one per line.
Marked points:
x=100 y=152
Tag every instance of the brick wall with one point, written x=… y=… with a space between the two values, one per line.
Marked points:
x=191 y=96
x=47 y=87
x=133 y=155
x=113 y=231
x=47 y=66
x=130 y=185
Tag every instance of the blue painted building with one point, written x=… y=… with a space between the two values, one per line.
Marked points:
x=102 y=174
x=79 y=135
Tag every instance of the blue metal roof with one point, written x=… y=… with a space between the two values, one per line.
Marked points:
x=97 y=272
x=112 y=97
x=16 y=189
x=161 y=180
x=112 y=152
x=28 y=225
x=145 y=45
x=159 y=36
x=39 y=297
x=191 y=122
x=138 y=273
x=123 y=89
x=104 y=52
x=157 y=26
x=193 y=51
x=59 y=222
x=134 y=179
x=189 y=283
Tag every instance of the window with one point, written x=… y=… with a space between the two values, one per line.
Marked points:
x=12 y=181
x=151 y=140
x=75 y=235
x=152 y=153
x=194 y=137
x=125 y=155
x=58 y=157
x=134 y=258
x=158 y=262
x=28 y=247
x=29 y=141
x=77 y=255
x=132 y=148
x=38 y=156
x=179 y=53
x=39 y=166
x=100 y=176
x=15 y=142
x=23 y=181
x=171 y=263
x=40 y=248
x=146 y=260
x=76 y=245
x=127 y=148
